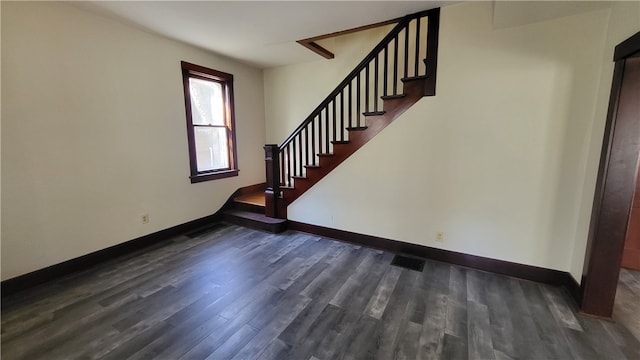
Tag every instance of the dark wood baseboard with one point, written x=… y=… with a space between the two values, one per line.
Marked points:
x=23 y=282
x=29 y=280
x=527 y=272
x=533 y=273
x=574 y=289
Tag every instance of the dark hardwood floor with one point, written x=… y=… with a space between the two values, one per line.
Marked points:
x=235 y=293
x=627 y=306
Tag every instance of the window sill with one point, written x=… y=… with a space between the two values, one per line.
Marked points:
x=213 y=176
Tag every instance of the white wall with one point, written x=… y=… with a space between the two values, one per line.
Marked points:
x=286 y=107
x=94 y=134
x=0 y=149
x=496 y=160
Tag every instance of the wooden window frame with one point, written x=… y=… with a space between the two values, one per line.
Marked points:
x=190 y=71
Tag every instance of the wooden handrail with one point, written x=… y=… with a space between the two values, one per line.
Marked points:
x=352 y=75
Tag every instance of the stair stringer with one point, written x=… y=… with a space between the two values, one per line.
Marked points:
x=414 y=90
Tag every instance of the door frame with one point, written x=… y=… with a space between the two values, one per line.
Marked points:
x=613 y=197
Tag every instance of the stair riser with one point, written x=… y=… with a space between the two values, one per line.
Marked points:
x=253 y=224
x=248 y=207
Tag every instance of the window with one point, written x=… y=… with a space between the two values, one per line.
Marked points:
x=208 y=98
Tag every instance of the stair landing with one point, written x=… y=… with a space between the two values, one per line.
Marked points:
x=256 y=198
x=248 y=210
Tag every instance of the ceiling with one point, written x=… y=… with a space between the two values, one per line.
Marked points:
x=264 y=33
x=260 y=33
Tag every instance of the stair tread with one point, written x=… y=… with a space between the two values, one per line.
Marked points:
x=299 y=177
x=340 y=142
x=373 y=113
x=357 y=128
x=391 y=97
x=254 y=216
x=413 y=78
x=325 y=154
x=256 y=198
x=312 y=166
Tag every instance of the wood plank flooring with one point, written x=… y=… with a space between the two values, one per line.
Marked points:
x=627 y=305
x=236 y=293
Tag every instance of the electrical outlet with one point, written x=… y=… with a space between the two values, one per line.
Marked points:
x=439 y=236
x=145 y=218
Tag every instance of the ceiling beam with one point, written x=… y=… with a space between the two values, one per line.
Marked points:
x=310 y=43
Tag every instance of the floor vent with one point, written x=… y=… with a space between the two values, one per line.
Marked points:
x=203 y=230
x=410 y=263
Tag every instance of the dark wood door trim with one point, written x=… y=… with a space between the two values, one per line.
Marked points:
x=627 y=48
x=613 y=196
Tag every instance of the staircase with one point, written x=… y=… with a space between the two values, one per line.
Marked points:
x=246 y=208
x=397 y=73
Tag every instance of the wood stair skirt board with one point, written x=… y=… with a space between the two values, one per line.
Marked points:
x=527 y=272
x=358 y=136
x=359 y=108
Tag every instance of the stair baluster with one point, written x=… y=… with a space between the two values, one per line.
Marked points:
x=395 y=65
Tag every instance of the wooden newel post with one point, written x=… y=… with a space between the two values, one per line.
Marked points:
x=272 y=189
x=433 y=27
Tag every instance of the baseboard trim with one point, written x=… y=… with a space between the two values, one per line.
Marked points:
x=527 y=272
x=574 y=289
x=29 y=280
